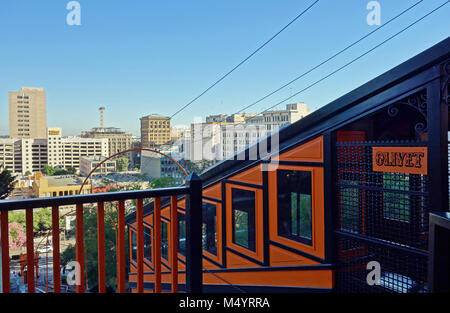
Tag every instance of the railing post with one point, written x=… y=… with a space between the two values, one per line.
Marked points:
x=140 y=245
x=56 y=247
x=174 y=242
x=30 y=250
x=121 y=247
x=79 y=234
x=194 y=277
x=157 y=243
x=5 y=252
x=101 y=246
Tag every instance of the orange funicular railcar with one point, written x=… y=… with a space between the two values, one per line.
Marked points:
x=317 y=210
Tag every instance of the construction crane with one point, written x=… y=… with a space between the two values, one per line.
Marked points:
x=101 y=109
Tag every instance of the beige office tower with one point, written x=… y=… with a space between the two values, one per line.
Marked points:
x=117 y=140
x=27 y=113
x=155 y=130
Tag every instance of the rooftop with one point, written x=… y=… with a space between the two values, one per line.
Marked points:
x=63 y=180
x=105 y=130
x=156 y=116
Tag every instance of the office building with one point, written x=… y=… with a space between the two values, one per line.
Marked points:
x=117 y=140
x=27 y=113
x=155 y=130
x=57 y=186
x=87 y=164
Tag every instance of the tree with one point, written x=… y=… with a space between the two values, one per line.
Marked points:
x=54 y=171
x=49 y=170
x=71 y=170
x=28 y=173
x=163 y=182
x=90 y=239
x=197 y=167
x=17 y=238
x=42 y=219
x=122 y=164
x=6 y=183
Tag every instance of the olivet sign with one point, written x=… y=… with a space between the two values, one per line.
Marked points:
x=409 y=160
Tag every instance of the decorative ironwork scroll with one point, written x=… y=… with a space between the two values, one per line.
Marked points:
x=418 y=102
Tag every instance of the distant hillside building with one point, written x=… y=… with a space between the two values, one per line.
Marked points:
x=155 y=130
x=66 y=152
x=224 y=135
x=156 y=166
x=55 y=186
x=117 y=140
x=27 y=113
x=23 y=155
x=87 y=164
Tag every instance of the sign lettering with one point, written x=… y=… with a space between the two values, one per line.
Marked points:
x=409 y=160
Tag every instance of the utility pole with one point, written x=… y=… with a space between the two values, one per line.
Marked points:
x=102 y=126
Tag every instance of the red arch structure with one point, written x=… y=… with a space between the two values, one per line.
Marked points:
x=126 y=151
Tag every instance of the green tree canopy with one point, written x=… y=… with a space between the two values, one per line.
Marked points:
x=6 y=183
x=163 y=182
x=122 y=164
x=54 y=171
x=90 y=237
x=42 y=219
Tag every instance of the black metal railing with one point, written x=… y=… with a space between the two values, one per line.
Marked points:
x=193 y=191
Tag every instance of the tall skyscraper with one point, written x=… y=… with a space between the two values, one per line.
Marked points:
x=28 y=113
x=155 y=130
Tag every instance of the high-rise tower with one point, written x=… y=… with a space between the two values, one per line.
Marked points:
x=28 y=113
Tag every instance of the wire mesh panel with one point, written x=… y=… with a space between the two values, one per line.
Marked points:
x=382 y=212
x=400 y=272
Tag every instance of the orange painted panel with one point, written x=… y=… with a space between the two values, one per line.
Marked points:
x=148 y=219
x=165 y=211
x=235 y=261
x=294 y=278
x=214 y=191
x=208 y=265
x=251 y=176
x=409 y=160
x=282 y=257
x=311 y=151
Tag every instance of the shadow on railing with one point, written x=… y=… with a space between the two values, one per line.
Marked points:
x=192 y=190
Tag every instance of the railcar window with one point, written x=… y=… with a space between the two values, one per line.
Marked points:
x=209 y=232
x=133 y=246
x=147 y=244
x=164 y=241
x=243 y=215
x=295 y=205
x=181 y=234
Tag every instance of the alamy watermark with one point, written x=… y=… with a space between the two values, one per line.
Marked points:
x=73 y=18
x=73 y=270
x=374 y=16
x=374 y=276
x=234 y=141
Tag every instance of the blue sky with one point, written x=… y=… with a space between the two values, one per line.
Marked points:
x=138 y=57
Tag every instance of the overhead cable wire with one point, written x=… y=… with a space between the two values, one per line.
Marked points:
x=330 y=58
x=359 y=57
x=246 y=59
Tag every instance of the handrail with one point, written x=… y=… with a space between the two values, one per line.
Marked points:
x=193 y=191
x=21 y=204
